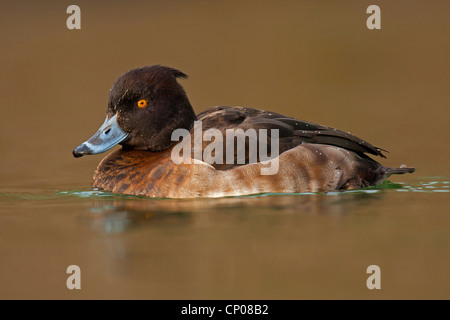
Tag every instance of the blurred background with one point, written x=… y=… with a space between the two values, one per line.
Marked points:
x=313 y=60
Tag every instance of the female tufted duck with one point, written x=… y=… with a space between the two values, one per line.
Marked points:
x=147 y=105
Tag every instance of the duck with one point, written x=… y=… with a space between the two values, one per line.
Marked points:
x=147 y=105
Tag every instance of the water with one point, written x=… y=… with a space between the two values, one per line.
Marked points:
x=301 y=59
x=280 y=246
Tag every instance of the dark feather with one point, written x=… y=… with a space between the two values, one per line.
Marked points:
x=292 y=132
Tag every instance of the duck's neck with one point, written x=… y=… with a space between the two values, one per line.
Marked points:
x=183 y=120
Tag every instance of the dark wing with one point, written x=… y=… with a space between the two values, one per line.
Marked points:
x=292 y=132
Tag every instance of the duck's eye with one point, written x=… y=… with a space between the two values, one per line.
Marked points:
x=142 y=103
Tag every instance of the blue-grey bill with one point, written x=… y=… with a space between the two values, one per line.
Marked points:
x=104 y=139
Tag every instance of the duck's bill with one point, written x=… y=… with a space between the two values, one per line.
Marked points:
x=104 y=139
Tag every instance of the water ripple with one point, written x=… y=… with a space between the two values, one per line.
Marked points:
x=421 y=186
x=425 y=186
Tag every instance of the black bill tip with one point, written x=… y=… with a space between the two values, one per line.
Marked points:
x=81 y=150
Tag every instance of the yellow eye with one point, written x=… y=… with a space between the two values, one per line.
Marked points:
x=142 y=103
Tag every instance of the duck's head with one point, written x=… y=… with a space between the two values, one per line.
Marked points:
x=145 y=106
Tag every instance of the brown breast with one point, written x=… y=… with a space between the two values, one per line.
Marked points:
x=305 y=168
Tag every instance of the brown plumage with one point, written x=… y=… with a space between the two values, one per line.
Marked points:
x=312 y=158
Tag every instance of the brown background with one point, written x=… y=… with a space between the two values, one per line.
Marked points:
x=314 y=60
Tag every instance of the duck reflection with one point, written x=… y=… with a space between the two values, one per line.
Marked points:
x=175 y=244
x=119 y=215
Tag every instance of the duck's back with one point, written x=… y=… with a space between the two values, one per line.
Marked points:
x=291 y=133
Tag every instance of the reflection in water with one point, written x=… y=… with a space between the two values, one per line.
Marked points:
x=264 y=246
x=126 y=212
x=181 y=232
x=117 y=216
